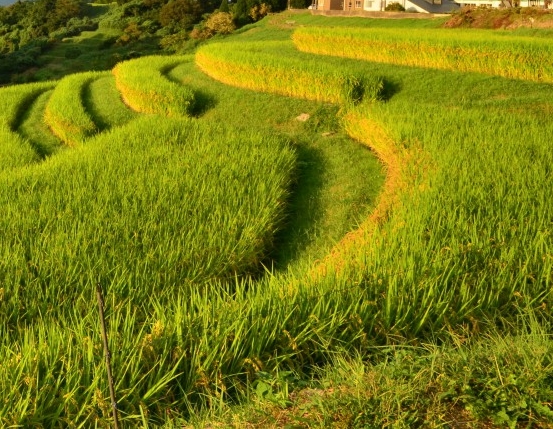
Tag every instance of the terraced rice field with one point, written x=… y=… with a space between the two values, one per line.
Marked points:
x=203 y=215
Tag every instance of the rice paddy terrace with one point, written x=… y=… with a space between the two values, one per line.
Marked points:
x=233 y=240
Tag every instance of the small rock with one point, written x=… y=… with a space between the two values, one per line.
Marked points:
x=328 y=133
x=303 y=117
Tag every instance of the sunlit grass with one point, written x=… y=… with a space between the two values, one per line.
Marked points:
x=16 y=151
x=143 y=207
x=337 y=179
x=65 y=112
x=104 y=103
x=459 y=50
x=36 y=130
x=458 y=247
x=145 y=88
x=255 y=66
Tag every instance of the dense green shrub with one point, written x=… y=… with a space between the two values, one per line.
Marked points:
x=220 y=23
x=394 y=7
x=72 y=52
x=180 y=13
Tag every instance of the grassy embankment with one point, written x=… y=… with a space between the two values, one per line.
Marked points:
x=497 y=54
x=15 y=150
x=83 y=225
x=144 y=87
x=459 y=245
x=467 y=240
x=65 y=113
x=109 y=212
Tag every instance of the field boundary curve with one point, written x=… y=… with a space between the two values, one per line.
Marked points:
x=16 y=150
x=357 y=121
x=511 y=57
x=145 y=88
x=361 y=126
x=250 y=66
x=65 y=112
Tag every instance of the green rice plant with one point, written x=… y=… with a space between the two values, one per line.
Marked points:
x=145 y=88
x=337 y=179
x=193 y=344
x=103 y=101
x=469 y=240
x=16 y=151
x=256 y=66
x=171 y=216
x=500 y=378
x=65 y=113
x=477 y=51
x=34 y=128
x=160 y=203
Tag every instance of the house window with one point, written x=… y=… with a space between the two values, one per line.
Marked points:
x=368 y=4
x=357 y=4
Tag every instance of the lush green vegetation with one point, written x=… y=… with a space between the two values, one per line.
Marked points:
x=145 y=89
x=47 y=39
x=256 y=67
x=243 y=263
x=459 y=50
x=472 y=381
x=65 y=113
x=15 y=151
x=76 y=215
x=460 y=245
x=104 y=104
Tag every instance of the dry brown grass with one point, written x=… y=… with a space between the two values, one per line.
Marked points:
x=504 y=18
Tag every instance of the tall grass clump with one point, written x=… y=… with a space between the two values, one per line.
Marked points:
x=145 y=87
x=174 y=218
x=103 y=101
x=259 y=67
x=179 y=349
x=468 y=233
x=477 y=51
x=500 y=379
x=65 y=112
x=167 y=215
x=33 y=127
x=154 y=205
x=15 y=151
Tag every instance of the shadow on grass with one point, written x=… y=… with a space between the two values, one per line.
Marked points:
x=92 y=110
x=203 y=100
x=389 y=89
x=304 y=207
x=30 y=125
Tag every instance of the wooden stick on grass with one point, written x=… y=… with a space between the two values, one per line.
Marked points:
x=107 y=355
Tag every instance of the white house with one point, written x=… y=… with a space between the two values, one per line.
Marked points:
x=424 y=6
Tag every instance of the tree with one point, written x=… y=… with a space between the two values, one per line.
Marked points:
x=224 y=7
x=241 y=13
x=259 y=11
x=180 y=13
x=220 y=23
x=63 y=12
